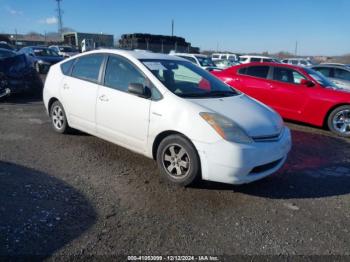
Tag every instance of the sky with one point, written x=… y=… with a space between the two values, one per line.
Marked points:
x=321 y=27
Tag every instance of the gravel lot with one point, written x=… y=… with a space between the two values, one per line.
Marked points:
x=76 y=194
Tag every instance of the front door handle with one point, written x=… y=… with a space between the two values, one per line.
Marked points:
x=103 y=98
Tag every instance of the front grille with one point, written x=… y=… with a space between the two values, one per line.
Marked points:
x=270 y=138
x=263 y=168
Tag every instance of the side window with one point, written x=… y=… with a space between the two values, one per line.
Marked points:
x=242 y=71
x=303 y=62
x=287 y=75
x=267 y=60
x=342 y=74
x=324 y=71
x=120 y=73
x=254 y=59
x=294 y=62
x=88 y=67
x=258 y=71
x=65 y=67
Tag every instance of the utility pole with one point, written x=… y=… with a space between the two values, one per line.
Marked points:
x=59 y=16
x=172 y=27
x=296 y=48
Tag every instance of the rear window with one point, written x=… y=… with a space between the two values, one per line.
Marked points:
x=257 y=71
x=254 y=59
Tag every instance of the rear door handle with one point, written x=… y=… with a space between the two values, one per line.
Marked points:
x=65 y=86
x=103 y=98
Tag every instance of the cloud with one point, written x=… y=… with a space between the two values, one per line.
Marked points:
x=49 y=21
x=12 y=11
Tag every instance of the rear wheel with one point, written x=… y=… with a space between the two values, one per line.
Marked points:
x=339 y=121
x=178 y=160
x=58 y=118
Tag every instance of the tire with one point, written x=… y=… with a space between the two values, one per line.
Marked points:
x=339 y=121
x=178 y=160
x=59 y=119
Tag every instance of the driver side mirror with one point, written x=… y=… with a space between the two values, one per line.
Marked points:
x=139 y=90
x=307 y=83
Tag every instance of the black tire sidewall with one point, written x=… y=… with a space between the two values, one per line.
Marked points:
x=194 y=171
x=65 y=127
x=330 y=120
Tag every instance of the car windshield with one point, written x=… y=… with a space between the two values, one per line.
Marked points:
x=44 y=52
x=320 y=78
x=66 y=49
x=6 y=53
x=205 y=61
x=187 y=80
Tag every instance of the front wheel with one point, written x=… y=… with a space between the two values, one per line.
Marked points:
x=178 y=160
x=339 y=121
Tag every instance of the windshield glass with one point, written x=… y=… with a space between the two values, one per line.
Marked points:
x=6 y=54
x=187 y=80
x=205 y=61
x=320 y=78
x=66 y=49
x=44 y=52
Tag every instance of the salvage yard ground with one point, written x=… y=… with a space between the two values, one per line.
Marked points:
x=76 y=194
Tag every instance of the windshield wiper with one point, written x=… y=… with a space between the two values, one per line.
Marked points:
x=210 y=94
x=222 y=93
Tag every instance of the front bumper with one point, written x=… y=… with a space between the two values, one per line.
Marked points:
x=235 y=163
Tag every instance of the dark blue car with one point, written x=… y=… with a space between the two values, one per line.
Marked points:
x=41 y=57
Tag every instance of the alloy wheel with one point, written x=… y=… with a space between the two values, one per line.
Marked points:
x=341 y=122
x=176 y=161
x=58 y=118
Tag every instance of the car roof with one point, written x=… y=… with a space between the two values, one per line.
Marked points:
x=189 y=55
x=255 y=56
x=271 y=64
x=333 y=66
x=136 y=54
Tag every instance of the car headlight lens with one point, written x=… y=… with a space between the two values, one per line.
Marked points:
x=42 y=62
x=226 y=128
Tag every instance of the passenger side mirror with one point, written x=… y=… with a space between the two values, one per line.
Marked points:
x=139 y=90
x=307 y=83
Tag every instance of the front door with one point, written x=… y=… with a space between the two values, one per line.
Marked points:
x=122 y=117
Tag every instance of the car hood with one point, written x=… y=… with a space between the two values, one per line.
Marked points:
x=50 y=59
x=255 y=118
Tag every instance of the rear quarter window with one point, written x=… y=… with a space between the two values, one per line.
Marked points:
x=66 y=67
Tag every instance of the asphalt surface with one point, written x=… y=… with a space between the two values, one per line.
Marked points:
x=77 y=194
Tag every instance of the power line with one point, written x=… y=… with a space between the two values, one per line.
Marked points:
x=59 y=16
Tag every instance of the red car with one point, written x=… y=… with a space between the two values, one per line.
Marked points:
x=297 y=93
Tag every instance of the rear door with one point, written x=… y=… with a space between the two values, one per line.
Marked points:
x=287 y=95
x=79 y=92
x=252 y=80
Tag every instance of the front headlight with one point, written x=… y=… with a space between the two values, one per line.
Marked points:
x=42 y=62
x=226 y=128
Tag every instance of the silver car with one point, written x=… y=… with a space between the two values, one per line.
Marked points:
x=338 y=74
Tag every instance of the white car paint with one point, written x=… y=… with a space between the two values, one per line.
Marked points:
x=134 y=122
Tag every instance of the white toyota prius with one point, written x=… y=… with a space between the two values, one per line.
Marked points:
x=168 y=109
